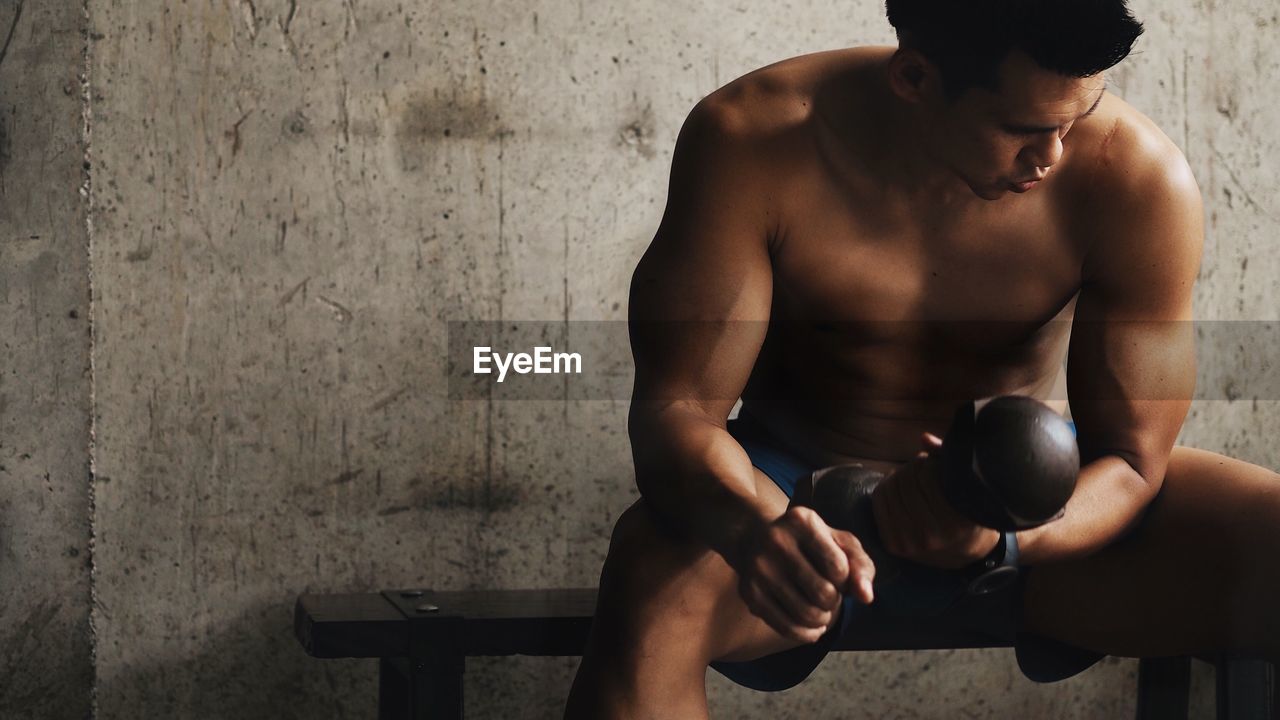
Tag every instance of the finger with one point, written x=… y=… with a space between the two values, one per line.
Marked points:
x=939 y=528
x=862 y=570
x=929 y=444
x=819 y=565
x=800 y=624
x=764 y=606
x=958 y=532
x=887 y=508
x=917 y=492
x=781 y=579
x=814 y=537
x=804 y=615
x=941 y=510
x=817 y=590
x=944 y=513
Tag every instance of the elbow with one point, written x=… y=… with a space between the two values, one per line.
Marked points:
x=642 y=485
x=645 y=455
x=1146 y=472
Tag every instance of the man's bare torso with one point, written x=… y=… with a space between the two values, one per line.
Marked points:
x=889 y=309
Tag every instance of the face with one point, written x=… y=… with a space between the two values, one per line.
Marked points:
x=1005 y=141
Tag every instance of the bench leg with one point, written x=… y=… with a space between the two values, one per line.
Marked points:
x=1164 y=688
x=1246 y=690
x=413 y=690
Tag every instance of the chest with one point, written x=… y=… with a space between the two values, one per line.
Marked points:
x=982 y=281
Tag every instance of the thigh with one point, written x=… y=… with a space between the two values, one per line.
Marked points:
x=1194 y=576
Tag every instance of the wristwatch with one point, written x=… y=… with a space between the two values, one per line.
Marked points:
x=998 y=568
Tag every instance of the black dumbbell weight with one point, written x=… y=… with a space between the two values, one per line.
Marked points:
x=1008 y=464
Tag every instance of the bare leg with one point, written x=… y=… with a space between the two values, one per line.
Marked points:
x=1201 y=574
x=666 y=609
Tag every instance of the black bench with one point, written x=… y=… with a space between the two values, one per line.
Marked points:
x=422 y=639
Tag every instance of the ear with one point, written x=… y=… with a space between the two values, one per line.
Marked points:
x=912 y=76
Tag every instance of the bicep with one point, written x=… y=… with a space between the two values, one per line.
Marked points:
x=701 y=294
x=1131 y=362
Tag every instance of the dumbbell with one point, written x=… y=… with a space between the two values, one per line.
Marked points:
x=1008 y=464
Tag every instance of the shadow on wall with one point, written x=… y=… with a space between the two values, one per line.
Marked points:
x=30 y=650
x=252 y=667
x=247 y=667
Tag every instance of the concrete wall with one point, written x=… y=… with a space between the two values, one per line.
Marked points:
x=46 y=668
x=289 y=202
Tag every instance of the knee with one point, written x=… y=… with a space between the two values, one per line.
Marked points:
x=640 y=546
x=647 y=563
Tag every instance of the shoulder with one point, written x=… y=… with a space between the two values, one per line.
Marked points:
x=1138 y=206
x=750 y=110
x=1129 y=162
x=775 y=102
x=765 y=130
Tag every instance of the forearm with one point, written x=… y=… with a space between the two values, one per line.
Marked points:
x=1110 y=495
x=696 y=477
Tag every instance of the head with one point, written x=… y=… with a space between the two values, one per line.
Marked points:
x=999 y=83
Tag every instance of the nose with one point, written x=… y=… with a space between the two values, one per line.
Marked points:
x=1044 y=152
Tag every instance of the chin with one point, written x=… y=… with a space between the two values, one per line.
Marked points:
x=989 y=192
x=986 y=189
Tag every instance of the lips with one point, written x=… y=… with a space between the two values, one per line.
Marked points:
x=1034 y=178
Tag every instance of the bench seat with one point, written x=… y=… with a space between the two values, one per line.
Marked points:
x=422 y=639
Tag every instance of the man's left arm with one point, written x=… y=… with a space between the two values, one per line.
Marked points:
x=1131 y=362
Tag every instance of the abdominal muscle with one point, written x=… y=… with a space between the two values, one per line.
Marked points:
x=879 y=443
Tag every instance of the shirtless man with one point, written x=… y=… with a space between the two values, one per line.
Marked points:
x=854 y=242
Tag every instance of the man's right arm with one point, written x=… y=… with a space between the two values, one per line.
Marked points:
x=699 y=312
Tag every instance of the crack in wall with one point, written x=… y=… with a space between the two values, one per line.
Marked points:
x=86 y=194
x=17 y=15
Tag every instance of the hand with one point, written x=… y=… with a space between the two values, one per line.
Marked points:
x=792 y=571
x=917 y=523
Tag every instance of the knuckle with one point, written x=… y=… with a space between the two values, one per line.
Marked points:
x=826 y=593
x=759 y=565
x=803 y=514
x=777 y=536
x=840 y=564
x=830 y=595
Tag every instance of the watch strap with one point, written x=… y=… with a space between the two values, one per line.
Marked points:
x=998 y=568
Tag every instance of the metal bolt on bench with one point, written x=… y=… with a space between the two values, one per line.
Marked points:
x=422 y=639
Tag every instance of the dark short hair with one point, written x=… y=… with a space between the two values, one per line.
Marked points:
x=968 y=39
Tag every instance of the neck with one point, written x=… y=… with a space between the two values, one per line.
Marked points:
x=902 y=151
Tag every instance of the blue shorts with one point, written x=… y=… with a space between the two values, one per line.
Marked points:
x=939 y=595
